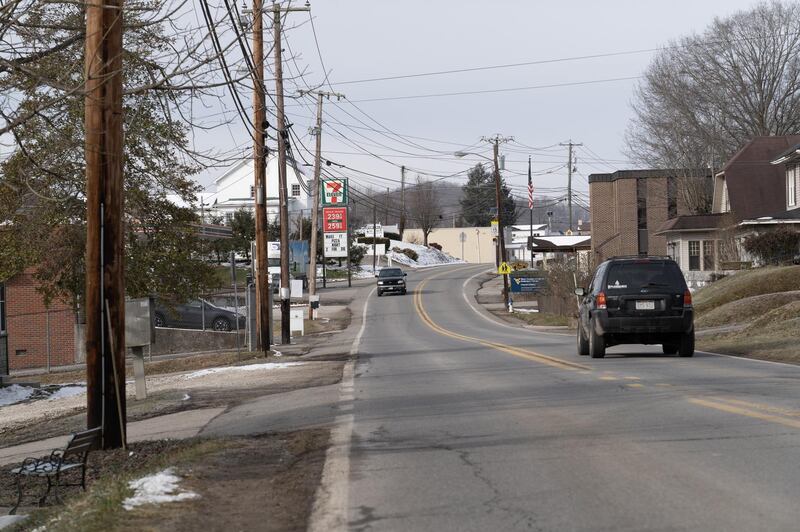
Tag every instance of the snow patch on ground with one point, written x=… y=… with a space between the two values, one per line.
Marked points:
x=13 y=394
x=426 y=256
x=526 y=310
x=252 y=367
x=68 y=391
x=156 y=489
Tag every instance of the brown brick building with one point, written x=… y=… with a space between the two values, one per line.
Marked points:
x=628 y=206
x=34 y=335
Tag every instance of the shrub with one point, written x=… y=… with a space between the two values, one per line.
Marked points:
x=392 y=236
x=778 y=246
x=357 y=254
x=434 y=245
x=378 y=241
x=411 y=254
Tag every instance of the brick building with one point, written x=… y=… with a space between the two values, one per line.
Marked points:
x=34 y=335
x=628 y=206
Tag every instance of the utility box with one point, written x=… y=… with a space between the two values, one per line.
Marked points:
x=140 y=328
x=296 y=323
x=140 y=331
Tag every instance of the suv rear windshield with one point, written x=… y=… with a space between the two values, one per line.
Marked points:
x=391 y=272
x=628 y=277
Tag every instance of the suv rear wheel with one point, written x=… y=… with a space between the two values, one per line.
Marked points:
x=597 y=344
x=583 y=343
x=686 y=347
x=670 y=349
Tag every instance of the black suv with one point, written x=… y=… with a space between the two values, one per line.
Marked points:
x=636 y=300
x=391 y=280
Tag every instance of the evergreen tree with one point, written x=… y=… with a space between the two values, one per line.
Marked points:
x=479 y=201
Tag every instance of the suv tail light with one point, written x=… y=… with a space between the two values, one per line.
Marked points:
x=600 y=302
x=687 y=299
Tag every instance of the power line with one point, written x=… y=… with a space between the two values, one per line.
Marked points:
x=495 y=91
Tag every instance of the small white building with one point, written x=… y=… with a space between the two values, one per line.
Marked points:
x=235 y=190
x=518 y=247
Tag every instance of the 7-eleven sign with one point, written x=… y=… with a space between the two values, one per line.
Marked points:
x=334 y=191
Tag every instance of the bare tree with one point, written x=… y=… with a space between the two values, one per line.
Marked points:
x=424 y=207
x=706 y=95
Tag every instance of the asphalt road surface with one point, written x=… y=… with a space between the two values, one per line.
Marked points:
x=456 y=422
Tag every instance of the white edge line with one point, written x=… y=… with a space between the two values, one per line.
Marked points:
x=331 y=499
x=492 y=320
x=748 y=359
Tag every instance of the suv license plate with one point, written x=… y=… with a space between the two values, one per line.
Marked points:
x=645 y=305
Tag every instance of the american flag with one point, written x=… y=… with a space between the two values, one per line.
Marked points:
x=530 y=186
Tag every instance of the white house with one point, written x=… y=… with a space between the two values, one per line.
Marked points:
x=235 y=189
x=518 y=247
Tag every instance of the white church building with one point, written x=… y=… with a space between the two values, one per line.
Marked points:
x=235 y=190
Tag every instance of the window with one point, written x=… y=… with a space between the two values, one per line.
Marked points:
x=694 y=255
x=791 y=186
x=641 y=214
x=672 y=197
x=708 y=255
x=295 y=189
x=725 y=207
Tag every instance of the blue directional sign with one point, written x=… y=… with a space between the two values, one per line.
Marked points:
x=527 y=284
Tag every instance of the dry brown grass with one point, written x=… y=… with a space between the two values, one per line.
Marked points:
x=774 y=335
x=744 y=284
x=745 y=310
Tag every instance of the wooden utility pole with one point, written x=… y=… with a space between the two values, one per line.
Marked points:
x=283 y=196
x=312 y=280
x=501 y=240
x=263 y=310
x=374 y=231
x=105 y=272
x=570 y=144
x=402 y=201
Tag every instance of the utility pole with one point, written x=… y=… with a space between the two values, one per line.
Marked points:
x=386 y=209
x=312 y=280
x=501 y=240
x=530 y=207
x=283 y=196
x=570 y=144
x=263 y=310
x=402 y=201
x=105 y=272
x=374 y=230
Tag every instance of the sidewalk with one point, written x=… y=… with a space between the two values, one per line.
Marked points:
x=177 y=426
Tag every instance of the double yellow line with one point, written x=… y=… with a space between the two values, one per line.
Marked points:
x=511 y=350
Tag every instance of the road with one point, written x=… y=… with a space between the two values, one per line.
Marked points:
x=455 y=422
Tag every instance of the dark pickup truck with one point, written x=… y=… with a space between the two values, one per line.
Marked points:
x=391 y=280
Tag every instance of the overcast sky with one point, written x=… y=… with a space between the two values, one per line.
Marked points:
x=361 y=39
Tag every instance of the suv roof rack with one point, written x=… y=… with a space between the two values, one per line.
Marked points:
x=641 y=257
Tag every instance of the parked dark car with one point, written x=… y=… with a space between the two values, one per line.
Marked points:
x=194 y=315
x=636 y=300
x=391 y=280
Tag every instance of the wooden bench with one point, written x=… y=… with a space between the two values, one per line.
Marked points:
x=71 y=457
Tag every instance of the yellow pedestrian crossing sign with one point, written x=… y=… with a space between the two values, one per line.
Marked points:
x=504 y=268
